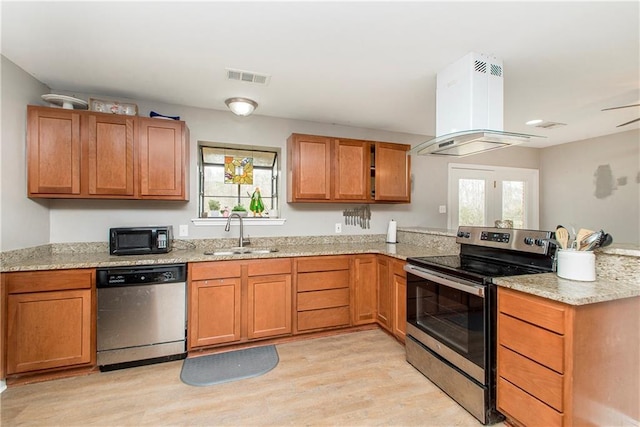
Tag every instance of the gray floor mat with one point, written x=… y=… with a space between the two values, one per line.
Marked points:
x=230 y=366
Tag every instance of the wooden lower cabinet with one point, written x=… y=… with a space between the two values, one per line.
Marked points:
x=214 y=311
x=364 y=289
x=399 y=289
x=269 y=306
x=50 y=320
x=564 y=365
x=384 y=300
x=236 y=301
x=323 y=292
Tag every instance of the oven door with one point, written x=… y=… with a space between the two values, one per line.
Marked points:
x=448 y=315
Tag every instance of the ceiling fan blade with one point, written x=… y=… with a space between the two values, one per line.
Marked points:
x=628 y=123
x=624 y=106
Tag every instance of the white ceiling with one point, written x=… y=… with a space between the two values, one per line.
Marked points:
x=364 y=64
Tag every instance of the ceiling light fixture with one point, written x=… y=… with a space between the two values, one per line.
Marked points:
x=533 y=122
x=241 y=106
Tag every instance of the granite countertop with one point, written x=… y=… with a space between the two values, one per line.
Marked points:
x=56 y=261
x=572 y=292
x=618 y=267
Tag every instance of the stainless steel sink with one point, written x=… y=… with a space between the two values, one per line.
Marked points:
x=241 y=251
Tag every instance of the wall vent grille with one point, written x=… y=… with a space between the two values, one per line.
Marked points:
x=481 y=66
x=248 y=76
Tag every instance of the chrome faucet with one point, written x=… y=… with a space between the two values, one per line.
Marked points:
x=241 y=240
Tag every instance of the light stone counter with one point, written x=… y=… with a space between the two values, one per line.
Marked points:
x=617 y=267
x=92 y=255
x=571 y=292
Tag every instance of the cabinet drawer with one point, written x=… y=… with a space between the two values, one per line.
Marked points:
x=526 y=409
x=323 y=280
x=266 y=267
x=42 y=281
x=537 y=344
x=544 y=313
x=325 y=318
x=214 y=270
x=531 y=377
x=322 y=264
x=323 y=299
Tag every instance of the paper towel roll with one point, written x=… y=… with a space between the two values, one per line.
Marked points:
x=391 y=232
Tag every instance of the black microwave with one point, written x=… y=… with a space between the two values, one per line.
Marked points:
x=140 y=240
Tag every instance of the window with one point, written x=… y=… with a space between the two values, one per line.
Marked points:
x=230 y=176
x=480 y=195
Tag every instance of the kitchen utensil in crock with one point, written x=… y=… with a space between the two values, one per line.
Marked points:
x=582 y=233
x=590 y=242
x=605 y=240
x=562 y=236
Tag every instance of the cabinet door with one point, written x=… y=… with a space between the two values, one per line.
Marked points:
x=309 y=168
x=163 y=159
x=392 y=172
x=214 y=314
x=384 y=308
x=48 y=330
x=110 y=153
x=53 y=151
x=351 y=170
x=399 y=284
x=364 y=291
x=269 y=306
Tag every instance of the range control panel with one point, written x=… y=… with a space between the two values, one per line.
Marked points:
x=532 y=241
x=490 y=236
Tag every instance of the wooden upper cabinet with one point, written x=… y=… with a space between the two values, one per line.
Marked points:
x=163 y=159
x=328 y=169
x=53 y=152
x=351 y=170
x=392 y=172
x=110 y=143
x=309 y=168
x=84 y=154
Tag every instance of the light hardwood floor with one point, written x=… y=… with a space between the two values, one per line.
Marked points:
x=353 y=379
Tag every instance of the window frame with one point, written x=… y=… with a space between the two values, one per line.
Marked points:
x=271 y=203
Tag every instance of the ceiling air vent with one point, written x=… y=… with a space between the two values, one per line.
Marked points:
x=248 y=76
x=549 y=125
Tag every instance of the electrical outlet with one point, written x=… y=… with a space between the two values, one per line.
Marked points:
x=442 y=209
x=184 y=230
x=338 y=227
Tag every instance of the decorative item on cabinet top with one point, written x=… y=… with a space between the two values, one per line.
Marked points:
x=113 y=107
x=66 y=102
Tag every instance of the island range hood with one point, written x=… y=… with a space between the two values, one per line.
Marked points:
x=469 y=109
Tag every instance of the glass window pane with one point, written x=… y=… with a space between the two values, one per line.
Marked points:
x=213 y=186
x=513 y=202
x=471 y=209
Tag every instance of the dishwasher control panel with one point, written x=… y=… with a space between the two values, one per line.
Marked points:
x=141 y=275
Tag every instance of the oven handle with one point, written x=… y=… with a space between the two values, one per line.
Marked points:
x=459 y=284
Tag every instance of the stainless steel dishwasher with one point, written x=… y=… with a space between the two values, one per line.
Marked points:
x=141 y=315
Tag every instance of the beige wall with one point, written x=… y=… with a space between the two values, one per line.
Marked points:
x=23 y=222
x=594 y=184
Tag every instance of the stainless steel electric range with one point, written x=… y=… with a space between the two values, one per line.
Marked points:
x=451 y=310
